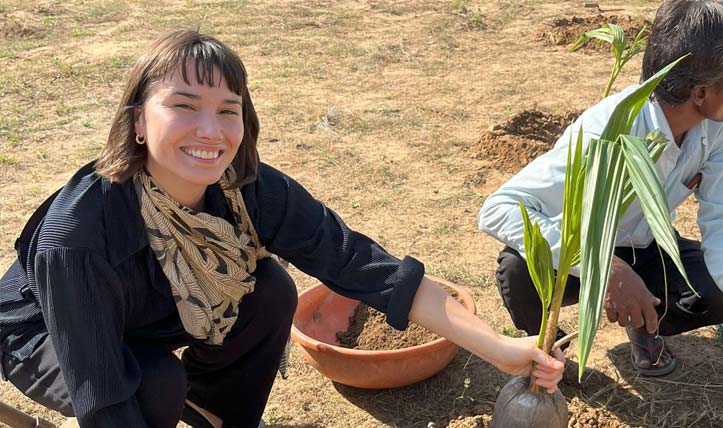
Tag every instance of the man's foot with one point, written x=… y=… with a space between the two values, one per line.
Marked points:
x=648 y=353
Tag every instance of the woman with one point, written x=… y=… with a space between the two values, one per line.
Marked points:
x=163 y=242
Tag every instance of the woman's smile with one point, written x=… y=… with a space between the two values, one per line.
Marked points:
x=202 y=154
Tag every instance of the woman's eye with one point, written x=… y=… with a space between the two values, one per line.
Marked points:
x=184 y=106
x=229 y=112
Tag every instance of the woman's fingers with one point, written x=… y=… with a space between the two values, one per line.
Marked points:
x=548 y=378
x=549 y=368
x=549 y=384
x=558 y=355
x=545 y=360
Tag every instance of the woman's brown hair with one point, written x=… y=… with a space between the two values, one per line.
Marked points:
x=122 y=157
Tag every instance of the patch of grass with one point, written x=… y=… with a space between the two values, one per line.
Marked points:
x=7 y=160
x=473 y=17
x=230 y=5
x=80 y=32
x=280 y=74
x=341 y=120
x=346 y=50
x=463 y=197
x=67 y=120
x=13 y=141
x=457 y=4
x=397 y=8
x=10 y=123
x=122 y=61
x=7 y=53
x=390 y=54
x=459 y=274
x=512 y=331
x=106 y=11
x=389 y=177
x=510 y=10
x=63 y=109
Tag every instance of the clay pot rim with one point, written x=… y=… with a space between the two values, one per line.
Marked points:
x=362 y=354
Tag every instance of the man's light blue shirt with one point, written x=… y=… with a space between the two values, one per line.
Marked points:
x=539 y=186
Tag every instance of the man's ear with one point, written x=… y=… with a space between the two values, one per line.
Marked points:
x=139 y=121
x=697 y=94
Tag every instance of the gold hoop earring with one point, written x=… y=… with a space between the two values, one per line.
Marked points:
x=140 y=140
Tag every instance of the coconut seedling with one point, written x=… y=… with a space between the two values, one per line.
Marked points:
x=599 y=187
x=622 y=51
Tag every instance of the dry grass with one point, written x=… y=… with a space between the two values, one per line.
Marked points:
x=376 y=107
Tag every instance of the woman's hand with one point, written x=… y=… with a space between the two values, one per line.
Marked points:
x=517 y=354
x=437 y=311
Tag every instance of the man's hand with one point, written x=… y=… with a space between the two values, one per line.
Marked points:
x=628 y=301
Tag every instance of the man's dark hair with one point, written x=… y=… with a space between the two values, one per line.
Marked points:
x=680 y=27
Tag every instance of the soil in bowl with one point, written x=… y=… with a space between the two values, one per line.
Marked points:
x=368 y=330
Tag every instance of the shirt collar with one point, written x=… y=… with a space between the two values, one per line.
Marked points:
x=656 y=118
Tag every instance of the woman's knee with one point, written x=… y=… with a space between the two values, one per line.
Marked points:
x=163 y=388
x=264 y=316
x=276 y=293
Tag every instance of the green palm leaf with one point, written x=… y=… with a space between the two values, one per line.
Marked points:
x=605 y=189
x=539 y=258
x=604 y=185
x=645 y=181
x=539 y=264
x=656 y=143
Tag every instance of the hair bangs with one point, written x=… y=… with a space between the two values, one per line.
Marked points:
x=209 y=57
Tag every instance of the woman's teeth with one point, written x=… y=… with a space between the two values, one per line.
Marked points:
x=202 y=154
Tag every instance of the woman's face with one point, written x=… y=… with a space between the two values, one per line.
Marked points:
x=192 y=132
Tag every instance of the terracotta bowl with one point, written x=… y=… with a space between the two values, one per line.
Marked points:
x=321 y=314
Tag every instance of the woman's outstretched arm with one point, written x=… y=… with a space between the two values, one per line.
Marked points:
x=434 y=309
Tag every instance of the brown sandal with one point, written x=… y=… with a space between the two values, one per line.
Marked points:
x=639 y=338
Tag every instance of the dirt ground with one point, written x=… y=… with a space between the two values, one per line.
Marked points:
x=400 y=115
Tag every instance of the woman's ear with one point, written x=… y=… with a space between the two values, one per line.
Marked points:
x=139 y=121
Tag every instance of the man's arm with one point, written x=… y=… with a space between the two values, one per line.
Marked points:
x=540 y=188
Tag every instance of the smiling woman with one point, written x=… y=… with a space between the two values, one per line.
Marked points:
x=163 y=243
x=192 y=131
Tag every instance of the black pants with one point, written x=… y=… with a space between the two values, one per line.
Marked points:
x=232 y=381
x=685 y=311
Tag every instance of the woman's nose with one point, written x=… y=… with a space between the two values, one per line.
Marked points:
x=208 y=126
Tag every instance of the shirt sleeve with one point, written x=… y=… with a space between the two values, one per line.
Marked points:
x=539 y=187
x=300 y=229
x=710 y=212
x=84 y=309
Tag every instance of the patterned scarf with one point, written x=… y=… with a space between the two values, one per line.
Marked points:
x=207 y=260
